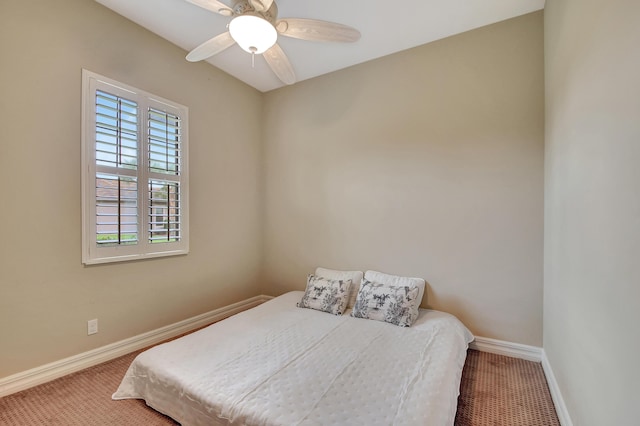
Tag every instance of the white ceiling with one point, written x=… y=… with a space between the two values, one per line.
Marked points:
x=386 y=27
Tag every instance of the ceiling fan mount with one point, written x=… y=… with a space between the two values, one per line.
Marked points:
x=243 y=7
x=255 y=27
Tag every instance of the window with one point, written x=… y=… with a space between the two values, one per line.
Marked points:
x=135 y=193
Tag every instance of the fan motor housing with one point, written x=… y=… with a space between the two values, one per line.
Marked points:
x=243 y=7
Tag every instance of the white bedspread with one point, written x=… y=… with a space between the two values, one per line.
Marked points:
x=277 y=364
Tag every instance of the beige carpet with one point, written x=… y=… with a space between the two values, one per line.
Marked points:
x=495 y=390
x=498 y=390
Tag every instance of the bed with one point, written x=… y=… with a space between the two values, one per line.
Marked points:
x=279 y=364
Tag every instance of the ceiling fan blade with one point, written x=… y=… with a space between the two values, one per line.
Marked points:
x=315 y=30
x=280 y=65
x=213 y=6
x=211 y=47
x=261 y=5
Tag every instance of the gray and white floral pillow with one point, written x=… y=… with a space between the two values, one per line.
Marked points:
x=392 y=304
x=326 y=295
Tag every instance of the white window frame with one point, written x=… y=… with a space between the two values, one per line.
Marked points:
x=91 y=252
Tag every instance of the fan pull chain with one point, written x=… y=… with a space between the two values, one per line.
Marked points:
x=253 y=50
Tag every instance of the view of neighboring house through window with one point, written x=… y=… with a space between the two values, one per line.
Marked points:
x=135 y=193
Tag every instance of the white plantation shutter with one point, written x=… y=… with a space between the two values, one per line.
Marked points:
x=165 y=153
x=116 y=131
x=164 y=211
x=135 y=193
x=116 y=210
x=164 y=142
x=116 y=159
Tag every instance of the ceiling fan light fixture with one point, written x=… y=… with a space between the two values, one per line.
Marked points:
x=252 y=33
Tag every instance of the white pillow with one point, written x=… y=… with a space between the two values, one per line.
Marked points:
x=395 y=280
x=354 y=276
x=323 y=294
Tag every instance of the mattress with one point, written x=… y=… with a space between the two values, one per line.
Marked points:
x=277 y=364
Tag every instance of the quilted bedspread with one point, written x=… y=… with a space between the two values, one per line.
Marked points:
x=277 y=364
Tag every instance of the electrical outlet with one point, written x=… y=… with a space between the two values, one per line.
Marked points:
x=92 y=326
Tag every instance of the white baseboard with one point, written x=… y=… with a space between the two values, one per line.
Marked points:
x=56 y=369
x=500 y=347
x=556 y=395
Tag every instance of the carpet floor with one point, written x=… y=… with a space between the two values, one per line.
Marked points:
x=495 y=390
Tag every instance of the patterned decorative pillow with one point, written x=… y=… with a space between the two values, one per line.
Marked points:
x=382 y=302
x=354 y=276
x=326 y=295
x=395 y=280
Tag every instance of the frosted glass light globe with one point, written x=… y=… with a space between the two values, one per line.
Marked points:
x=252 y=33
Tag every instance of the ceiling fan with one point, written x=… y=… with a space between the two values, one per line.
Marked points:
x=255 y=28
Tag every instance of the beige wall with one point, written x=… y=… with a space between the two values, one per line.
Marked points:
x=46 y=295
x=592 y=207
x=425 y=163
